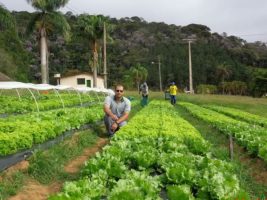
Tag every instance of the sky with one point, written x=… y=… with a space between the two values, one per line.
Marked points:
x=243 y=18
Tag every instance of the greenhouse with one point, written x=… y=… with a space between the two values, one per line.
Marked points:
x=17 y=97
x=33 y=115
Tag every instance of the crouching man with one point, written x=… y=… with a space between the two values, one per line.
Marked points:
x=117 y=109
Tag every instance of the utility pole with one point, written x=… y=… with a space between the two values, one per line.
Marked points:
x=160 y=83
x=105 y=56
x=190 y=65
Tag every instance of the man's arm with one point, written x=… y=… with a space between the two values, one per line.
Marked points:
x=115 y=125
x=108 y=112
x=123 y=118
x=126 y=112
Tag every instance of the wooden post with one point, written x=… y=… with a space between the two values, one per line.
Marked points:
x=105 y=57
x=231 y=147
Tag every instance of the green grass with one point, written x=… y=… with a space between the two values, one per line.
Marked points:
x=256 y=106
x=48 y=166
x=151 y=95
x=220 y=150
x=10 y=184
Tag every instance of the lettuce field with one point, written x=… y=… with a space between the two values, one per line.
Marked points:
x=158 y=155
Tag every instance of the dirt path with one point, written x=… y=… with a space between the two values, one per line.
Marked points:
x=33 y=190
x=74 y=165
x=257 y=167
x=21 y=166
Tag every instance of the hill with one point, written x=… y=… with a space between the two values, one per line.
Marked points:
x=136 y=41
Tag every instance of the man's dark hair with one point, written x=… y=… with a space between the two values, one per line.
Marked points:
x=118 y=85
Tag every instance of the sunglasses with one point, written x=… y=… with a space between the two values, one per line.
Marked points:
x=121 y=91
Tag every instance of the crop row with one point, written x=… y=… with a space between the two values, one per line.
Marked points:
x=240 y=115
x=19 y=132
x=253 y=137
x=158 y=155
x=12 y=104
x=23 y=131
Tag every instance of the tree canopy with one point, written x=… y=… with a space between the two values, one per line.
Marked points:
x=137 y=41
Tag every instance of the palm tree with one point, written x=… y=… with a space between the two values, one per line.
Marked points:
x=223 y=72
x=6 y=19
x=139 y=73
x=45 y=21
x=92 y=28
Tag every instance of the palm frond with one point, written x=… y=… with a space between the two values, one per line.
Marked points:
x=37 y=4
x=92 y=26
x=60 y=23
x=35 y=23
x=47 y=5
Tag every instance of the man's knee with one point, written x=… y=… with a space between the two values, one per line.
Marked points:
x=108 y=121
x=122 y=123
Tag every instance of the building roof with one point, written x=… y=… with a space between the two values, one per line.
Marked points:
x=4 y=77
x=76 y=73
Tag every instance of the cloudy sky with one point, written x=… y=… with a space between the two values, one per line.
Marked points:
x=243 y=18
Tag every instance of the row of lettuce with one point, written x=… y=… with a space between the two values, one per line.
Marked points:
x=158 y=155
x=20 y=132
x=13 y=104
x=240 y=115
x=249 y=130
x=23 y=131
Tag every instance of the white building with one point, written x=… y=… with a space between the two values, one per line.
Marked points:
x=81 y=80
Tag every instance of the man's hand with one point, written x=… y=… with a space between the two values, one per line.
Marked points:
x=109 y=113
x=114 y=117
x=114 y=126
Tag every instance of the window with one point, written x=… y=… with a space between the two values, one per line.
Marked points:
x=88 y=83
x=81 y=81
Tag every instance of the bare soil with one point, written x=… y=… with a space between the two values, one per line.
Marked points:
x=33 y=190
x=75 y=165
x=257 y=167
x=21 y=166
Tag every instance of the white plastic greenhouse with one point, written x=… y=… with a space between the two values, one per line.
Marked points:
x=18 y=97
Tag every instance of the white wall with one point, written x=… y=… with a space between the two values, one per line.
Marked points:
x=72 y=80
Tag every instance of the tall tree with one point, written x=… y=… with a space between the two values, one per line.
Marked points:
x=46 y=20
x=6 y=19
x=13 y=57
x=223 y=71
x=139 y=73
x=92 y=28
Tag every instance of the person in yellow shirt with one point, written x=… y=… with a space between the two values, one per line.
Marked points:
x=173 y=93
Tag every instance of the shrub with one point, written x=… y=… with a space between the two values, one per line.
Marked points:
x=206 y=89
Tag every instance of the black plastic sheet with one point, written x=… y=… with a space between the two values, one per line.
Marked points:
x=8 y=161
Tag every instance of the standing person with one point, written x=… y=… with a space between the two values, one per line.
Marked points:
x=117 y=109
x=173 y=92
x=144 y=90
